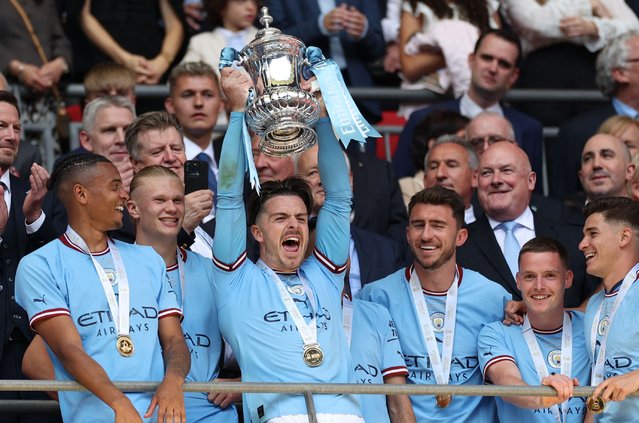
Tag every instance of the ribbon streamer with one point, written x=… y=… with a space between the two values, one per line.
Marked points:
x=230 y=57
x=347 y=120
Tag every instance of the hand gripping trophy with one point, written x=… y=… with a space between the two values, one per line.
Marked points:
x=278 y=110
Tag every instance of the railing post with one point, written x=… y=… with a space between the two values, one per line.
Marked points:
x=310 y=406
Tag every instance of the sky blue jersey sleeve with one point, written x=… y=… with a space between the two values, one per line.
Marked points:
x=333 y=220
x=229 y=244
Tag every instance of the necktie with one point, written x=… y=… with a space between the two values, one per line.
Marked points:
x=511 y=245
x=212 y=179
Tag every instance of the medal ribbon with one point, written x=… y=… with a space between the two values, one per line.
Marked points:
x=180 y=263
x=597 y=375
x=540 y=366
x=119 y=312
x=307 y=331
x=440 y=363
x=347 y=318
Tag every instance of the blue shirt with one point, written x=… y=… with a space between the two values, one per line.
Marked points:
x=60 y=280
x=622 y=347
x=252 y=316
x=498 y=342
x=201 y=334
x=479 y=302
x=376 y=354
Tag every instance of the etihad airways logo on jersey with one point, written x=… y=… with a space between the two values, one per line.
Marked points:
x=366 y=373
x=420 y=368
x=578 y=409
x=617 y=366
x=286 y=324
x=104 y=316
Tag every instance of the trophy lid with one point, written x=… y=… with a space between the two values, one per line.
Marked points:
x=266 y=20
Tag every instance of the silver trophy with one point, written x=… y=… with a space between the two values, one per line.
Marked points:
x=280 y=112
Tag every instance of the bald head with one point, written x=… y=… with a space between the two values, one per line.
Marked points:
x=505 y=181
x=606 y=167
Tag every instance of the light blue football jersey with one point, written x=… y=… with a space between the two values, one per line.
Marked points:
x=252 y=316
x=201 y=333
x=622 y=346
x=59 y=279
x=376 y=354
x=498 y=342
x=479 y=302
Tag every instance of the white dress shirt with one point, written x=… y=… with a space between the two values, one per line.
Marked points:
x=524 y=232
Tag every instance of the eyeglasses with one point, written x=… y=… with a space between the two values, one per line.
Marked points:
x=478 y=142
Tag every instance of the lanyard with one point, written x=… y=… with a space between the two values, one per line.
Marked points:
x=347 y=318
x=440 y=364
x=597 y=375
x=540 y=366
x=119 y=311
x=180 y=263
x=307 y=331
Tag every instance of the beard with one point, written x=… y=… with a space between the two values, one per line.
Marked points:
x=445 y=256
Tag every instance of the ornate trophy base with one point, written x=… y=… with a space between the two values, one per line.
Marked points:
x=283 y=118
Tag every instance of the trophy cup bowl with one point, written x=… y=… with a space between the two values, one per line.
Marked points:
x=281 y=113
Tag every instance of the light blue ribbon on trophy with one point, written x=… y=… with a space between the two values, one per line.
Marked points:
x=347 y=121
x=230 y=57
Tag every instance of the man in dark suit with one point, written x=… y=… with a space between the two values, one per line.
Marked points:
x=494 y=70
x=618 y=79
x=377 y=199
x=350 y=34
x=505 y=185
x=28 y=220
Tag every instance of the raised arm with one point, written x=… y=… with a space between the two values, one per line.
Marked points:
x=333 y=220
x=64 y=340
x=230 y=223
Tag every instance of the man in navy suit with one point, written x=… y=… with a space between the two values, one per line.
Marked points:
x=618 y=79
x=28 y=220
x=494 y=69
x=505 y=185
x=347 y=31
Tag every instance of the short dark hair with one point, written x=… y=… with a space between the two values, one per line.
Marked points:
x=149 y=121
x=7 y=97
x=434 y=125
x=290 y=186
x=542 y=244
x=192 y=69
x=440 y=196
x=505 y=35
x=70 y=167
x=621 y=210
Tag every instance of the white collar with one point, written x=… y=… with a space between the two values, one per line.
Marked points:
x=191 y=149
x=526 y=219
x=6 y=178
x=470 y=109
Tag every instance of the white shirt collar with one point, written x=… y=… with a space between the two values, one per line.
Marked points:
x=469 y=215
x=470 y=109
x=191 y=149
x=526 y=219
x=7 y=180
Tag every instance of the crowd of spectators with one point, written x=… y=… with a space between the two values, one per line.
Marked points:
x=515 y=183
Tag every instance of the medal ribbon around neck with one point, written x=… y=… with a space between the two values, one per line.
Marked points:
x=440 y=363
x=540 y=365
x=307 y=331
x=180 y=263
x=597 y=375
x=347 y=318
x=119 y=311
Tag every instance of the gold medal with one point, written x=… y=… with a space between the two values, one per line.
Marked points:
x=124 y=345
x=443 y=401
x=313 y=355
x=596 y=405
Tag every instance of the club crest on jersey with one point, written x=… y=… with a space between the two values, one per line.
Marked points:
x=554 y=359
x=110 y=274
x=602 y=328
x=296 y=289
x=437 y=319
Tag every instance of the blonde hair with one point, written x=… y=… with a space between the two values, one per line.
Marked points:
x=617 y=125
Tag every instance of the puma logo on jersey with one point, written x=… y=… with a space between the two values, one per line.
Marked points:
x=38 y=300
